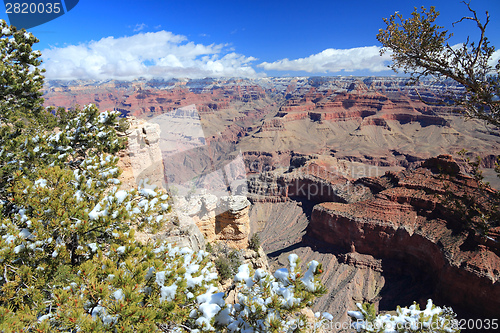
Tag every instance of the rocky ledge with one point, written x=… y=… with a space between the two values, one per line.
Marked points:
x=219 y=219
x=407 y=220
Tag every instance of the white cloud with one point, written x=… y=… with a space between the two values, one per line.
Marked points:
x=153 y=54
x=139 y=27
x=334 y=60
x=495 y=57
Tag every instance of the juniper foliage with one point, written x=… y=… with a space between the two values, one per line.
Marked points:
x=420 y=48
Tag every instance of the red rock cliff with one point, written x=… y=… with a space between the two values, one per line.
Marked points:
x=406 y=220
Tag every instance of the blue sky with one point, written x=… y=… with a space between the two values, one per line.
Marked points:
x=129 y=39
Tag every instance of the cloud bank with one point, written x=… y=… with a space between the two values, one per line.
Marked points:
x=163 y=54
x=335 y=60
x=152 y=54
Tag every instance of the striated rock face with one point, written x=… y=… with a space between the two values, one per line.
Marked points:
x=373 y=120
x=153 y=97
x=219 y=219
x=349 y=278
x=309 y=178
x=405 y=220
x=361 y=105
x=395 y=244
x=233 y=225
x=143 y=158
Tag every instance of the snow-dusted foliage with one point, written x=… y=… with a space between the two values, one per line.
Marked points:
x=270 y=303
x=62 y=213
x=20 y=78
x=432 y=319
x=132 y=288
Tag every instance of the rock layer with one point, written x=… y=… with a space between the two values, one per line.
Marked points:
x=405 y=220
x=377 y=121
x=142 y=160
x=282 y=228
x=144 y=156
x=219 y=219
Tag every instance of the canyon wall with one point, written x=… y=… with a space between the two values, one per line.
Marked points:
x=393 y=243
x=405 y=220
x=377 y=121
x=194 y=220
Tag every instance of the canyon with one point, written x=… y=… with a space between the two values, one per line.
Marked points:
x=348 y=171
x=375 y=121
x=385 y=239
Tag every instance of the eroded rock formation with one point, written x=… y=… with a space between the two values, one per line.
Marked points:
x=396 y=243
x=143 y=160
x=143 y=157
x=282 y=228
x=219 y=219
x=377 y=121
x=406 y=220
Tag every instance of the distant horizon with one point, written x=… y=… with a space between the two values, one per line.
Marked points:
x=180 y=79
